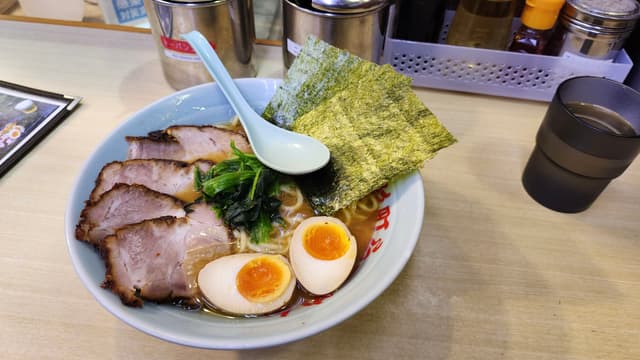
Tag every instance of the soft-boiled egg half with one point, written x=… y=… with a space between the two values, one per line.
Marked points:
x=247 y=284
x=322 y=252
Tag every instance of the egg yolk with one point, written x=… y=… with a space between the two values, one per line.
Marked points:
x=326 y=241
x=263 y=279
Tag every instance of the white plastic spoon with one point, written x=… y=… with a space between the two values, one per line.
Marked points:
x=282 y=150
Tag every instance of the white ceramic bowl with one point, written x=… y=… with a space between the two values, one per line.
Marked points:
x=205 y=104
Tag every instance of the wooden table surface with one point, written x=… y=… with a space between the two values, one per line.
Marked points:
x=494 y=275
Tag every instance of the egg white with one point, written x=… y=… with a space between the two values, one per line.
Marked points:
x=318 y=276
x=217 y=281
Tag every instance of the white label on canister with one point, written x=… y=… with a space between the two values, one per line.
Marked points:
x=293 y=47
x=175 y=55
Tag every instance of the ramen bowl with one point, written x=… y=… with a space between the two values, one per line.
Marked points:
x=399 y=223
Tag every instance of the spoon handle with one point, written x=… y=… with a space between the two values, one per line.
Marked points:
x=212 y=62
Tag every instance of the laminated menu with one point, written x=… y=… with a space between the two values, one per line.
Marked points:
x=26 y=116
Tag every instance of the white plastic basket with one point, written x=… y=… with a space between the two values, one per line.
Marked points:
x=491 y=72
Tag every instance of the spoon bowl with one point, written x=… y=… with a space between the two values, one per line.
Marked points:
x=282 y=150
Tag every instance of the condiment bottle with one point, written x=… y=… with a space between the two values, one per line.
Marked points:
x=482 y=24
x=538 y=18
x=593 y=29
x=420 y=20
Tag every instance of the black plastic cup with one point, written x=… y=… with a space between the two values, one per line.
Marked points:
x=589 y=136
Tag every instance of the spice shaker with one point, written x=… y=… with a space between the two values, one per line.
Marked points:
x=593 y=29
x=482 y=24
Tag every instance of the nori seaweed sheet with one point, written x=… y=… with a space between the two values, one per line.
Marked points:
x=318 y=72
x=367 y=115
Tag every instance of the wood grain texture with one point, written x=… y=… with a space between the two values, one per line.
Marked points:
x=494 y=275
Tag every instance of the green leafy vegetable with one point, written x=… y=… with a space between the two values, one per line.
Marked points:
x=243 y=192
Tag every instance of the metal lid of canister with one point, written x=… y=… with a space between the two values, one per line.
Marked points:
x=608 y=15
x=188 y=3
x=347 y=6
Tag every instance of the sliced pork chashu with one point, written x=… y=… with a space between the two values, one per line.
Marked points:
x=170 y=177
x=147 y=260
x=187 y=143
x=124 y=204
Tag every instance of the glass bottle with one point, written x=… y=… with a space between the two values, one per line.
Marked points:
x=420 y=20
x=482 y=24
x=538 y=18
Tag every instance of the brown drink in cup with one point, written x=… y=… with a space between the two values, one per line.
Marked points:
x=589 y=136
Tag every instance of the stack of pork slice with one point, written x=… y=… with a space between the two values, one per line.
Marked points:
x=142 y=217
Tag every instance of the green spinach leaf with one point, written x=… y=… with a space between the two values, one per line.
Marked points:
x=243 y=192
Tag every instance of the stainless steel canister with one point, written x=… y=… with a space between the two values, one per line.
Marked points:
x=227 y=24
x=359 y=31
x=595 y=29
